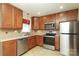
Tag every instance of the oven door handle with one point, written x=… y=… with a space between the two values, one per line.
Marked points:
x=50 y=36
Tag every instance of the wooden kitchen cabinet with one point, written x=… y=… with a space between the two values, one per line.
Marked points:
x=72 y=14
x=31 y=42
x=9 y=48
x=10 y=17
x=7 y=16
x=69 y=15
x=35 y=23
x=57 y=44
x=35 y=40
x=39 y=40
x=39 y=22
x=51 y=18
x=18 y=17
x=42 y=23
x=46 y=19
x=57 y=20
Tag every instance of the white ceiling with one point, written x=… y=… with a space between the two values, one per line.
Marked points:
x=44 y=8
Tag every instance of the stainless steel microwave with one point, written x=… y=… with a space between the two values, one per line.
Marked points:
x=50 y=26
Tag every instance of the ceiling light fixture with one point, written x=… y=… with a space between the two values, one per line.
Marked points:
x=38 y=13
x=61 y=7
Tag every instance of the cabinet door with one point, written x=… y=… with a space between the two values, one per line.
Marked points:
x=42 y=22
x=72 y=14
x=39 y=40
x=7 y=13
x=33 y=41
x=9 y=48
x=57 y=42
x=57 y=20
x=29 y=43
x=18 y=16
x=51 y=18
x=69 y=15
x=35 y=23
x=1 y=15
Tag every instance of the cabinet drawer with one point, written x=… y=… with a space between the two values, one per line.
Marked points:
x=8 y=43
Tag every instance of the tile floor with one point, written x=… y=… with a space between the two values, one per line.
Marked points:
x=40 y=51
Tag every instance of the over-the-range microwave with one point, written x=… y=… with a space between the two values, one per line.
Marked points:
x=50 y=26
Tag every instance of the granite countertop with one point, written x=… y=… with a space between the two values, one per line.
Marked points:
x=14 y=38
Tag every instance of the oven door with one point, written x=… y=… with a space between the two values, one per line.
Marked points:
x=49 y=40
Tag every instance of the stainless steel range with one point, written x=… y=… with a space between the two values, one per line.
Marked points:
x=49 y=41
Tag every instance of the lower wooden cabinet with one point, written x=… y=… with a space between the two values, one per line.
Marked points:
x=31 y=42
x=9 y=48
x=35 y=40
x=18 y=14
x=57 y=44
x=39 y=40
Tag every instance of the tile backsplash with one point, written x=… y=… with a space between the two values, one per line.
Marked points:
x=10 y=33
x=5 y=34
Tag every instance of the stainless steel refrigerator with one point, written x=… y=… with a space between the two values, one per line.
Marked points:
x=69 y=38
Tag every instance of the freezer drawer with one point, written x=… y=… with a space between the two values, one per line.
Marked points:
x=68 y=44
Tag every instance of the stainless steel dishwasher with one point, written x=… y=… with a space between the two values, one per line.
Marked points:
x=22 y=46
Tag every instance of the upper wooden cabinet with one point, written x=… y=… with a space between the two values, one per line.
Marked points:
x=72 y=14
x=7 y=16
x=35 y=23
x=18 y=16
x=57 y=20
x=46 y=19
x=69 y=15
x=11 y=17
x=50 y=18
x=42 y=22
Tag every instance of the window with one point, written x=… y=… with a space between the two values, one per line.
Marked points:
x=26 y=28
